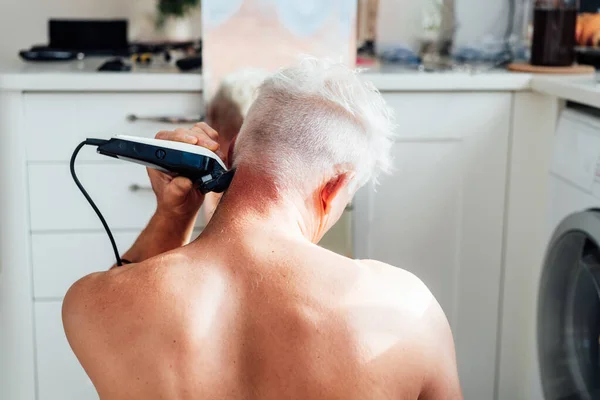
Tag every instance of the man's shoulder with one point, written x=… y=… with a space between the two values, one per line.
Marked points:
x=400 y=286
x=102 y=299
x=415 y=317
x=410 y=309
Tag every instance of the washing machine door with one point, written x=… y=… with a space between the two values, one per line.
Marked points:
x=568 y=326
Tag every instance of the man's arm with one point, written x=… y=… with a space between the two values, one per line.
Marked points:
x=163 y=233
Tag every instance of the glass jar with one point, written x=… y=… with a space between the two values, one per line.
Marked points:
x=554 y=28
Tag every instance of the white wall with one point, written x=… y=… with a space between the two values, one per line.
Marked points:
x=24 y=22
x=480 y=20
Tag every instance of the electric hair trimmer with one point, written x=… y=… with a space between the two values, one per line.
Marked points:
x=203 y=167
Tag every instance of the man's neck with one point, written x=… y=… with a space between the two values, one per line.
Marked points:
x=253 y=202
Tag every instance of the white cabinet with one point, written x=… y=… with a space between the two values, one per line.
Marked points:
x=56 y=122
x=49 y=236
x=440 y=215
x=59 y=374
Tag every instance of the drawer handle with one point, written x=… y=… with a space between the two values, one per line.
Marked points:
x=139 y=188
x=166 y=119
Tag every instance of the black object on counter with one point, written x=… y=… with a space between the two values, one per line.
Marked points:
x=554 y=24
x=115 y=65
x=189 y=63
x=48 y=55
x=588 y=56
x=98 y=37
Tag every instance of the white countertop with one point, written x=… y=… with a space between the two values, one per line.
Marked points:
x=82 y=76
x=580 y=89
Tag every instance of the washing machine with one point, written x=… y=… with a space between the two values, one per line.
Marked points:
x=568 y=309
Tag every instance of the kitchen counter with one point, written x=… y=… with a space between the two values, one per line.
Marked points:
x=581 y=89
x=82 y=76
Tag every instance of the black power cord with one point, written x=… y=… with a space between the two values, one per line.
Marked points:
x=94 y=142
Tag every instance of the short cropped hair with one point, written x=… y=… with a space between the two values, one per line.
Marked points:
x=315 y=120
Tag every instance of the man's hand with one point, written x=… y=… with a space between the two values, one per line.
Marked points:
x=178 y=201
x=176 y=197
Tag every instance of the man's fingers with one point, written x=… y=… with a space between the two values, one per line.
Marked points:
x=185 y=136
x=208 y=143
x=204 y=127
x=190 y=136
x=178 y=135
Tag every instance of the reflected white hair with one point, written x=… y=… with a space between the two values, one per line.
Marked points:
x=313 y=121
x=239 y=90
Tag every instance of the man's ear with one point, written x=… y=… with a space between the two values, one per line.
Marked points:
x=332 y=190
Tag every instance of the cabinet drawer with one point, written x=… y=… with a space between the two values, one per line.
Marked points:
x=60 y=259
x=445 y=116
x=57 y=122
x=57 y=204
x=59 y=374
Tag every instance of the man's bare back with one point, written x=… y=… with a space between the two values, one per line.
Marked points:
x=264 y=318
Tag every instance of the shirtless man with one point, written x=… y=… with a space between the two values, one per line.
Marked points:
x=253 y=309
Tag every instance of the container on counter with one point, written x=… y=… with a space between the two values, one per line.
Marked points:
x=554 y=27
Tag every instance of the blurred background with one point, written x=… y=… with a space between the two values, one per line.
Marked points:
x=471 y=24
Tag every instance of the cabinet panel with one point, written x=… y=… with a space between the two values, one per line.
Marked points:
x=445 y=116
x=417 y=214
x=57 y=204
x=60 y=376
x=121 y=191
x=60 y=259
x=440 y=216
x=57 y=122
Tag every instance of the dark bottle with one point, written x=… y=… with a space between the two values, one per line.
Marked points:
x=554 y=25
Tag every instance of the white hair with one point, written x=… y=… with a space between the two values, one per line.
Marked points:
x=315 y=120
x=239 y=89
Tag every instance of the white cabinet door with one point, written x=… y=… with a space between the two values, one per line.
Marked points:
x=440 y=215
x=59 y=374
x=57 y=122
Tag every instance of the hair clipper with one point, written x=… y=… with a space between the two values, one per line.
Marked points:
x=203 y=167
